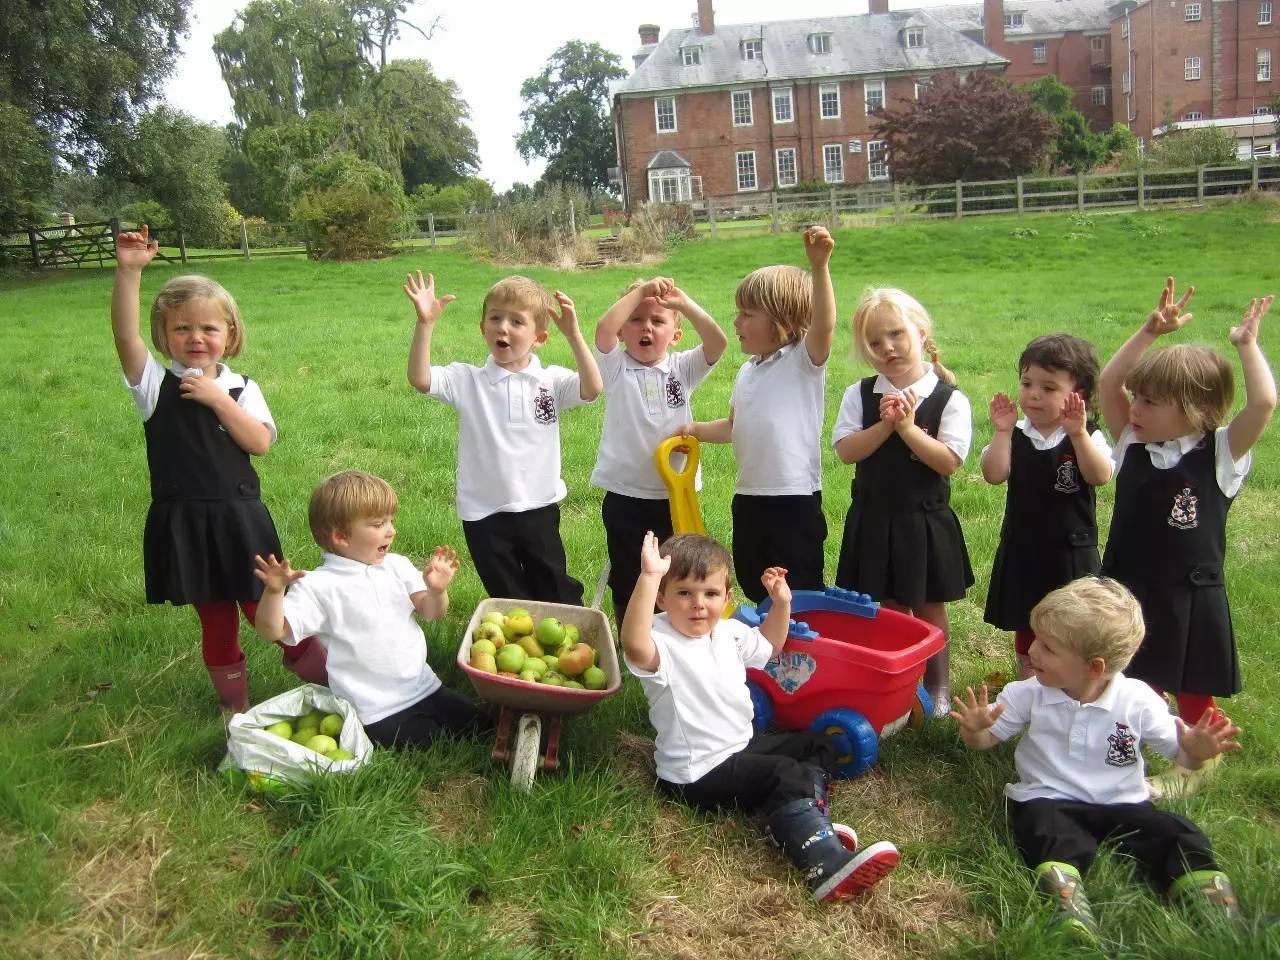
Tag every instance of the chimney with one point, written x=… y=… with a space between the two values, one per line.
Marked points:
x=706 y=18
x=877 y=6
x=993 y=24
x=648 y=33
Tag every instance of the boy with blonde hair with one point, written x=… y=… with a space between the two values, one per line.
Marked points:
x=1080 y=765
x=509 y=413
x=360 y=603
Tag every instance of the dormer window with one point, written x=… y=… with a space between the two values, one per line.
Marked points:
x=819 y=43
x=913 y=37
x=1013 y=19
x=753 y=49
x=691 y=56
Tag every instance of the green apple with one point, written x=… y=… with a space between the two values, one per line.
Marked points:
x=340 y=754
x=536 y=664
x=576 y=660
x=495 y=617
x=331 y=725
x=550 y=632
x=573 y=685
x=552 y=661
x=488 y=633
x=511 y=659
x=571 y=634
x=281 y=728
x=485 y=661
x=303 y=735
x=483 y=646
x=531 y=646
x=530 y=676
x=517 y=625
x=553 y=678
x=321 y=744
x=593 y=678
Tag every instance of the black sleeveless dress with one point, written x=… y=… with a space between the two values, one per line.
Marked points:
x=902 y=541
x=1167 y=544
x=206 y=520
x=1049 y=536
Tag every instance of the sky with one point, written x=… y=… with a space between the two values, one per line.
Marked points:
x=489 y=48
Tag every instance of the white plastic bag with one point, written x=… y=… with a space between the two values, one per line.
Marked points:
x=254 y=751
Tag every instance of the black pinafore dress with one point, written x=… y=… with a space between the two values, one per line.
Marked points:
x=1049 y=536
x=902 y=541
x=206 y=519
x=1167 y=544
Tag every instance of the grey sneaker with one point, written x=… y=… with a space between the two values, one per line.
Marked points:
x=1061 y=883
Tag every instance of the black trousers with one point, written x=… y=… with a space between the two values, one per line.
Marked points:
x=1164 y=844
x=441 y=712
x=521 y=556
x=770 y=771
x=778 y=532
x=626 y=521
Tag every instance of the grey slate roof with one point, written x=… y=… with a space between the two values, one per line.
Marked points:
x=666 y=159
x=1039 y=17
x=867 y=44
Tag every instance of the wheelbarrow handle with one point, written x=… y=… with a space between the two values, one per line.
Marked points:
x=686 y=512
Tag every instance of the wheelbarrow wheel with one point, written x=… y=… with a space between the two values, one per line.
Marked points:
x=921 y=709
x=762 y=706
x=857 y=744
x=524 y=758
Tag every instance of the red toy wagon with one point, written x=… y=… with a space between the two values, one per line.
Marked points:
x=849 y=669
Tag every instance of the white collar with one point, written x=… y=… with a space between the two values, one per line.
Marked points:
x=922 y=387
x=497 y=374
x=340 y=564
x=778 y=354
x=179 y=371
x=663 y=365
x=1032 y=431
x=1179 y=445
x=1106 y=700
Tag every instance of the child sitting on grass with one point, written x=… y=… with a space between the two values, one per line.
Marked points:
x=360 y=603
x=1080 y=766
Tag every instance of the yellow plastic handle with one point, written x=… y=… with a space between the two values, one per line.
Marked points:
x=686 y=512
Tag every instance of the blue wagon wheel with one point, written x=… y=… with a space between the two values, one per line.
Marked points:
x=922 y=709
x=856 y=741
x=762 y=706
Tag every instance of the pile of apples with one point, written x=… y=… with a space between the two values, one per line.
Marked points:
x=317 y=730
x=550 y=653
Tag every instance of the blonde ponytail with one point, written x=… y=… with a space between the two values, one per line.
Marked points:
x=931 y=349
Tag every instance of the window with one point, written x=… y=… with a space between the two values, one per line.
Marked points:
x=1142 y=144
x=1013 y=19
x=1264 y=13
x=1038 y=53
x=670 y=186
x=1191 y=69
x=1124 y=28
x=921 y=86
x=1191 y=13
x=752 y=49
x=741 y=108
x=664 y=109
x=1193 y=115
x=1098 y=96
x=832 y=163
x=1264 y=64
x=855 y=146
x=874 y=95
x=819 y=43
x=786 y=163
x=877 y=160
x=1262 y=111
x=782 y=109
x=746 y=170
x=1126 y=82
x=914 y=37
x=1097 y=44
x=691 y=56
x=829 y=101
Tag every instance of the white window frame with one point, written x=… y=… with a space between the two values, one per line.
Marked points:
x=1124 y=28
x=830 y=152
x=1191 y=68
x=691 y=56
x=738 y=98
x=1192 y=115
x=753 y=49
x=877 y=169
x=1264 y=64
x=1264 y=13
x=1098 y=96
x=1097 y=44
x=1039 y=52
x=1191 y=13
x=823 y=90
x=868 y=87
x=819 y=43
x=745 y=170
x=1013 y=19
x=660 y=179
x=783 y=95
x=855 y=146
x=913 y=38
x=1263 y=111
x=1126 y=82
x=780 y=177
x=657 y=115
x=920 y=85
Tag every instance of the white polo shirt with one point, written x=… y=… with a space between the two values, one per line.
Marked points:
x=363 y=614
x=643 y=406
x=955 y=430
x=699 y=704
x=777 y=423
x=147 y=391
x=1090 y=752
x=508 y=433
x=1169 y=453
x=1041 y=442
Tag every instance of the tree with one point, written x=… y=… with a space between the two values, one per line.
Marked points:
x=1182 y=149
x=26 y=174
x=976 y=127
x=566 y=117
x=1075 y=148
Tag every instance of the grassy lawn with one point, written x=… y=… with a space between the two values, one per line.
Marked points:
x=118 y=839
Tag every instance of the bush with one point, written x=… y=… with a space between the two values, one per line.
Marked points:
x=534 y=229
x=658 y=227
x=351 y=209
x=1181 y=149
x=150 y=212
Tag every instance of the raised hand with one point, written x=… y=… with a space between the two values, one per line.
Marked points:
x=202 y=389
x=653 y=563
x=423 y=294
x=659 y=288
x=136 y=249
x=1075 y=415
x=1004 y=413
x=1247 y=332
x=774 y=580
x=275 y=574
x=439 y=571
x=1213 y=733
x=1168 y=316
x=818 y=244
x=567 y=318
x=975 y=714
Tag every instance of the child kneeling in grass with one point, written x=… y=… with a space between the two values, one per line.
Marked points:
x=1080 y=767
x=360 y=603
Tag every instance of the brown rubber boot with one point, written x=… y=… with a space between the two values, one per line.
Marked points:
x=232 y=684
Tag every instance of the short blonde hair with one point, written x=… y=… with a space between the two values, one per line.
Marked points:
x=526 y=294
x=1095 y=617
x=1199 y=380
x=898 y=303
x=785 y=293
x=182 y=290
x=346 y=497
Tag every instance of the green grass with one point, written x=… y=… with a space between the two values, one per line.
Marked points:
x=118 y=839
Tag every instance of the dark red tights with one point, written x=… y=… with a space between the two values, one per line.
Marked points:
x=1191 y=706
x=220 y=633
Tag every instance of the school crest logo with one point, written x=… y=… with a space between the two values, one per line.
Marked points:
x=1121 y=749
x=791 y=670
x=544 y=406
x=675 y=393
x=1066 y=480
x=1183 y=514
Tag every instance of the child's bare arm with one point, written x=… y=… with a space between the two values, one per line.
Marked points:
x=433 y=603
x=590 y=383
x=616 y=316
x=996 y=459
x=778 y=620
x=1095 y=466
x=637 y=625
x=860 y=444
x=818 y=245
x=250 y=434
x=276 y=575
x=714 y=341
x=1259 y=384
x=134 y=251
x=422 y=292
x=976 y=717
x=933 y=453
x=708 y=431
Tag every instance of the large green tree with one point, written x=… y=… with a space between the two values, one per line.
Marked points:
x=566 y=117
x=1075 y=148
